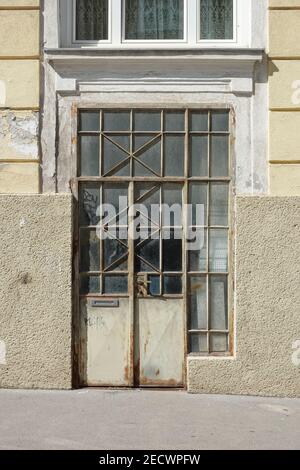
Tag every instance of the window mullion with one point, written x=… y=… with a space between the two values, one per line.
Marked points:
x=116 y=21
x=192 y=21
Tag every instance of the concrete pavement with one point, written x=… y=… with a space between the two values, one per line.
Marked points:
x=127 y=420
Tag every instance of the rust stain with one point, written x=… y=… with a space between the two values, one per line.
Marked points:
x=146 y=344
x=74 y=109
x=171 y=383
x=157 y=373
x=74 y=140
x=126 y=374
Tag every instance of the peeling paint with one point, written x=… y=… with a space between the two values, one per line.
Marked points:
x=19 y=134
x=2 y=353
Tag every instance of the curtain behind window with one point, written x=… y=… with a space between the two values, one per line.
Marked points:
x=216 y=19
x=91 y=20
x=154 y=19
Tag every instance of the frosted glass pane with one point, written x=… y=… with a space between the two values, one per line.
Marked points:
x=219 y=204
x=89 y=121
x=89 y=201
x=199 y=121
x=116 y=121
x=89 y=285
x=218 y=303
x=198 y=303
x=147 y=121
x=198 y=196
x=218 y=251
x=199 y=155
x=198 y=343
x=174 y=121
x=115 y=285
x=219 y=121
x=174 y=155
x=154 y=19
x=89 y=251
x=198 y=256
x=219 y=156
x=89 y=155
x=218 y=343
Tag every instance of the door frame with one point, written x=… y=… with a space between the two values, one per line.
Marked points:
x=78 y=366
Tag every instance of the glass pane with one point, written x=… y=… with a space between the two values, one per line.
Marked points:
x=174 y=155
x=116 y=195
x=89 y=201
x=112 y=156
x=89 y=121
x=218 y=251
x=219 y=204
x=220 y=121
x=89 y=250
x=91 y=20
x=198 y=303
x=218 y=303
x=198 y=196
x=89 y=285
x=149 y=252
x=216 y=19
x=198 y=255
x=199 y=121
x=89 y=155
x=147 y=199
x=218 y=343
x=116 y=121
x=147 y=121
x=114 y=250
x=198 y=343
x=174 y=121
x=154 y=19
x=115 y=285
x=154 y=286
x=172 y=285
x=151 y=157
x=199 y=155
x=172 y=208
x=172 y=244
x=140 y=140
x=219 y=156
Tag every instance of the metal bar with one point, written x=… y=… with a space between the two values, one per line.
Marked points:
x=116 y=144
x=144 y=165
x=131 y=284
x=116 y=167
x=146 y=145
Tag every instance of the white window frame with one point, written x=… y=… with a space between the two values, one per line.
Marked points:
x=116 y=29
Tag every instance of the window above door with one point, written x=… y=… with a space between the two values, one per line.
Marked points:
x=155 y=23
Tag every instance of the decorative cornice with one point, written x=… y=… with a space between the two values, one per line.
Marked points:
x=205 y=70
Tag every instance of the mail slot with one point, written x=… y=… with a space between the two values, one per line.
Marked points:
x=105 y=303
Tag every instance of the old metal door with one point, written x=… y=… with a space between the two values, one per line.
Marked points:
x=135 y=276
x=159 y=314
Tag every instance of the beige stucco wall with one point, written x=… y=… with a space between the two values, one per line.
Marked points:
x=284 y=81
x=267 y=310
x=19 y=95
x=35 y=291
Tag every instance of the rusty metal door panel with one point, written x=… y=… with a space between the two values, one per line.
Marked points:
x=161 y=361
x=106 y=344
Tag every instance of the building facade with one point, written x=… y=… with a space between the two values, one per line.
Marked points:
x=110 y=105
